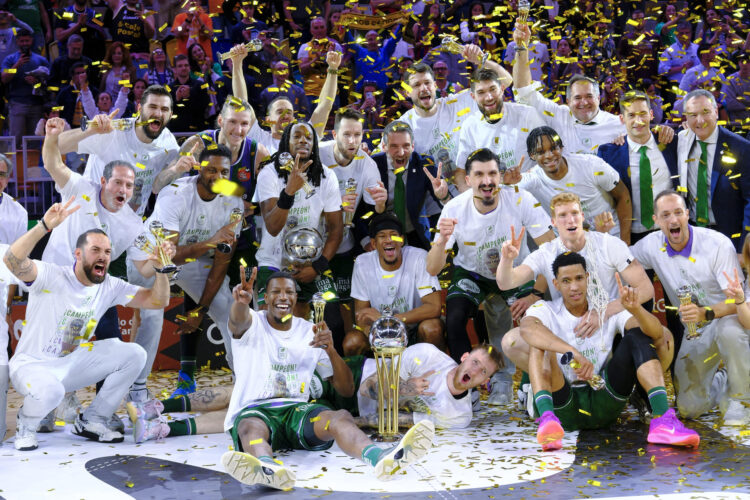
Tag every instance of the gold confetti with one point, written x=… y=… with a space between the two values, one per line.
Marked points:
x=227 y=188
x=585 y=412
x=242 y=262
x=85 y=197
x=397 y=238
x=286 y=318
x=594 y=483
x=129 y=484
x=710 y=357
x=315 y=419
x=691 y=259
x=386 y=276
x=470 y=243
x=60 y=423
x=328 y=422
x=463 y=112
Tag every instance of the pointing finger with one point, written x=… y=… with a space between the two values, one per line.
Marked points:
x=114 y=113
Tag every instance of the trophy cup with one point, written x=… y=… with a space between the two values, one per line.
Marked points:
x=683 y=293
x=388 y=340
x=302 y=246
x=234 y=217
x=254 y=45
x=448 y=43
x=350 y=187
x=117 y=124
x=523 y=11
x=142 y=243
x=596 y=381
x=319 y=307
x=286 y=160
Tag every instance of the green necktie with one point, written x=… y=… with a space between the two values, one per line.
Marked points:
x=399 y=198
x=701 y=203
x=647 y=189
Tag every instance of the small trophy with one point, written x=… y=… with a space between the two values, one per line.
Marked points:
x=319 y=307
x=596 y=381
x=117 y=124
x=234 y=217
x=157 y=230
x=254 y=45
x=350 y=187
x=523 y=11
x=683 y=293
x=448 y=43
x=302 y=246
x=286 y=160
x=388 y=339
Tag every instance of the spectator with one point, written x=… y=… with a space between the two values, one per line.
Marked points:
x=477 y=29
x=201 y=67
x=33 y=13
x=597 y=50
x=564 y=65
x=116 y=67
x=666 y=26
x=371 y=59
x=69 y=97
x=680 y=56
x=703 y=72
x=283 y=87
x=159 y=70
x=715 y=30
x=394 y=94
x=134 y=96
x=80 y=19
x=103 y=103
x=299 y=13
x=49 y=112
x=638 y=47
x=611 y=95
x=426 y=32
x=166 y=11
x=258 y=66
x=657 y=103
x=131 y=27
x=538 y=55
x=248 y=27
x=25 y=100
x=8 y=32
x=61 y=66
x=371 y=106
x=193 y=25
x=312 y=59
x=736 y=92
x=190 y=99
x=444 y=87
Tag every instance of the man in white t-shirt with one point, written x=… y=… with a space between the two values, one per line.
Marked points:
x=578 y=385
x=393 y=276
x=277 y=354
x=436 y=122
x=352 y=166
x=697 y=261
x=501 y=127
x=148 y=144
x=478 y=222
x=285 y=206
x=7 y=282
x=13 y=214
x=597 y=184
x=200 y=221
x=55 y=354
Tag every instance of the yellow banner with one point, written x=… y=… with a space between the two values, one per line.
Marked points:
x=363 y=22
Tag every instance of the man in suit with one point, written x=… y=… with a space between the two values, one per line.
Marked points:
x=644 y=167
x=415 y=189
x=711 y=163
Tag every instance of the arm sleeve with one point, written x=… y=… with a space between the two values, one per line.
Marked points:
x=89 y=106
x=618 y=252
x=726 y=261
x=359 y=285
x=47 y=274
x=640 y=253
x=120 y=104
x=93 y=144
x=324 y=367
x=268 y=184
x=122 y=291
x=466 y=35
x=370 y=179
x=665 y=62
x=606 y=178
x=535 y=219
x=331 y=193
x=170 y=206
x=426 y=283
x=536 y=261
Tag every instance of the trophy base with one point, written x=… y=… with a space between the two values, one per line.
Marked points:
x=169 y=268
x=385 y=437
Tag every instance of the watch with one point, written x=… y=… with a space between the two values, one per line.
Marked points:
x=710 y=314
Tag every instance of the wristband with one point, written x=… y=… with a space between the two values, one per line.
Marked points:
x=333 y=71
x=521 y=49
x=161 y=270
x=285 y=200
x=320 y=265
x=44 y=224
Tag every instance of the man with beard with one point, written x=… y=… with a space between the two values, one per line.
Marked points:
x=285 y=206
x=477 y=221
x=46 y=365
x=394 y=276
x=351 y=164
x=596 y=183
x=197 y=219
x=434 y=121
x=502 y=126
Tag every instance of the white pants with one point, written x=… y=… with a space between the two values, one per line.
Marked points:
x=4 y=378
x=499 y=321
x=44 y=383
x=150 y=325
x=698 y=359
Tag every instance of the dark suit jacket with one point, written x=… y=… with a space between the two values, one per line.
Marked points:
x=418 y=188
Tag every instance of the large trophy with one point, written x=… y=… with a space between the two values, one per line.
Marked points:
x=234 y=217
x=350 y=187
x=388 y=340
x=596 y=381
x=142 y=243
x=523 y=11
x=448 y=43
x=302 y=246
x=254 y=45
x=683 y=293
x=286 y=160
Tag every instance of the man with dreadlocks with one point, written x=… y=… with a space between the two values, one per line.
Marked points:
x=588 y=176
x=285 y=206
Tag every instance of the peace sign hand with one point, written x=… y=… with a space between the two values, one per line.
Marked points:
x=103 y=122
x=297 y=177
x=734 y=288
x=628 y=295
x=58 y=212
x=512 y=248
x=439 y=186
x=243 y=291
x=513 y=174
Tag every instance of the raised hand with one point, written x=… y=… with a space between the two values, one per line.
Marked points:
x=417 y=386
x=522 y=34
x=734 y=290
x=512 y=247
x=439 y=186
x=628 y=295
x=333 y=59
x=54 y=127
x=238 y=53
x=513 y=174
x=604 y=222
x=472 y=53
x=103 y=122
x=323 y=337
x=446 y=227
x=188 y=162
x=58 y=212
x=379 y=193
x=349 y=201
x=297 y=177
x=243 y=291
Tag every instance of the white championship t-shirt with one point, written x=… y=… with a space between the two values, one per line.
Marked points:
x=60 y=310
x=401 y=290
x=264 y=137
x=480 y=236
x=365 y=173
x=506 y=138
x=273 y=365
x=555 y=316
x=14 y=219
x=122 y=226
x=148 y=159
x=611 y=255
x=6 y=280
x=590 y=177
x=306 y=212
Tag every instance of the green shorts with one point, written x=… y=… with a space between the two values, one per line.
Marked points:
x=336 y=401
x=248 y=255
x=286 y=422
x=305 y=291
x=590 y=409
x=342 y=268
x=477 y=288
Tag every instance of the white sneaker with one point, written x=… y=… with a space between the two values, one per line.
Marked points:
x=412 y=447
x=96 y=431
x=115 y=424
x=501 y=389
x=47 y=424
x=719 y=387
x=69 y=408
x=736 y=415
x=25 y=435
x=247 y=469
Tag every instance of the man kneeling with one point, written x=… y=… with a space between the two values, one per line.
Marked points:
x=562 y=398
x=275 y=356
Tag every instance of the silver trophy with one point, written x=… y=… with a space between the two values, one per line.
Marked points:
x=234 y=217
x=254 y=45
x=302 y=246
x=350 y=187
x=286 y=160
x=448 y=43
x=388 y=339
x=117 y=124
x=596 y=381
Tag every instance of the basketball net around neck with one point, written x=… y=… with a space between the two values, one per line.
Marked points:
x=595 y=293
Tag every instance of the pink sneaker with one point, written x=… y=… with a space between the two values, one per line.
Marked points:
x=667 y=429
x=145 y=430
x=550 y=432
x=150 y=410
